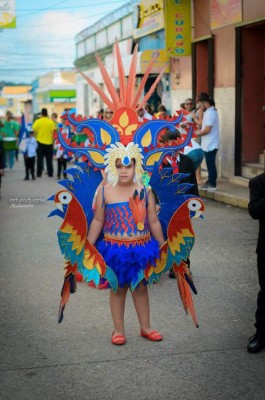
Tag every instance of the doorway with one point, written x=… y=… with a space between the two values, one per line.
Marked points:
x=156 y=97
x=203 y=67
x=250 y=98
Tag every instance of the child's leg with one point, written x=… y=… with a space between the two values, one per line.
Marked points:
x=141 y=304
x=27 y=168
x=59 y=167
x=64 y=168
x=32 y=165
x=198 y=175
x=12 y=154
x=117 y=307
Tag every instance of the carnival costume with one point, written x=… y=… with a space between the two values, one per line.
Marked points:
x=116 y=262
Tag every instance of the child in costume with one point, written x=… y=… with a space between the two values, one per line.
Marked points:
x=128 y=247
x=138 y=246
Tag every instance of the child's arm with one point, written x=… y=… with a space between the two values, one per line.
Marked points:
x=155 y=227
x=98 y=220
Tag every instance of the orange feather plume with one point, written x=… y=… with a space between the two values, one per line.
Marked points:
x=108 y=82
x=152 y=88
x=69 y=286
x=122 y=79
x=98 y=90
x=184 y=290
x=138 y=208
x=131 y=78
x=126 y=97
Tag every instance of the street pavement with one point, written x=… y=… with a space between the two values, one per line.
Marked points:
x=41 y=359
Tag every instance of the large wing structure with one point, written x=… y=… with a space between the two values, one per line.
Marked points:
x=176 y=211
x=176 y=207
x=75 y=208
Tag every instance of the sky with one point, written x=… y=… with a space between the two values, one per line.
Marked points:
x=44 y=37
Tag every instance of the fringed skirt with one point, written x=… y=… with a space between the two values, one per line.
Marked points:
x=129 y=258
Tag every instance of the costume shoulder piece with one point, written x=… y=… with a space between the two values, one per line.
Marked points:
x=124 y=137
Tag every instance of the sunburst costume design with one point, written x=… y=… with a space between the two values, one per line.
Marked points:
x=126 y=138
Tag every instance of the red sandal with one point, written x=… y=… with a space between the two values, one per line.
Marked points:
x=154 y=336
x=118 y=340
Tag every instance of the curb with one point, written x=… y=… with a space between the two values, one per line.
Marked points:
x=226 y=198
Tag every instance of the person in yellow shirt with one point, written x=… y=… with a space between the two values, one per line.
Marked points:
x=44 y=128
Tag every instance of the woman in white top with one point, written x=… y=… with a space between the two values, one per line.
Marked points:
x=194 y=151
x=210 y=140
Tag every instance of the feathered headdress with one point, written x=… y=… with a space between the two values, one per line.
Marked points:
x=124 y=136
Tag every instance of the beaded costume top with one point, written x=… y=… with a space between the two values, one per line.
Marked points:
x=127 y=217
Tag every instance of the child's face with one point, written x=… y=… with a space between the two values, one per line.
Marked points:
x=125 y=173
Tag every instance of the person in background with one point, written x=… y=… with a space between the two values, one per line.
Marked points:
x=61 y=154
x=197 y=119
x=54 y=118
x=1 y=164
x=149 y=109
x=143 y=114
x=30 y=156
x=196 y=154
x=197 y=114
x=188 y=105
x=100 y=114
x=256 y=209
x=162 y=112
x=210 y=141
x=194 y=151
x=10 y=130
x=108 y=114
x=18 y=130
x=44 y=129
x=62 y=158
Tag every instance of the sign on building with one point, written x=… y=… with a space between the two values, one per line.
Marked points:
x=7 y=14
x=178 y=27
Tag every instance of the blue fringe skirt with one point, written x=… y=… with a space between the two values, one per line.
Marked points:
x=129 y=258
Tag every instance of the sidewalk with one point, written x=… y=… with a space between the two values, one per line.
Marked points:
x=234 y=192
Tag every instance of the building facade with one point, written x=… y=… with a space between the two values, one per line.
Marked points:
x=228 y=62
x=211 y=46
x=55 y=91
x=16 y=99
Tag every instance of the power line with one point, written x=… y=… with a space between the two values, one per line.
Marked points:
x=66 y=7
x=57 y=54
x=71 y=20
x=39 y=40
x=62 y=22
x=39 y=10
x=36 y=69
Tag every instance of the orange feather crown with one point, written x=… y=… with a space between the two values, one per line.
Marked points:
x=124 y=127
